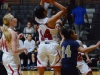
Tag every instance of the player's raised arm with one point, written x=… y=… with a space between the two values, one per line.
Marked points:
x=42 y=2
x=53 y=19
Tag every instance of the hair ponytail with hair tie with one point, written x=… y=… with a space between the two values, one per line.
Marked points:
x=6 y=32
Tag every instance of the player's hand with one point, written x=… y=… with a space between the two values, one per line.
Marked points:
x=98 y=44
x=88 y=60
x=51 y=1
x=20 y=35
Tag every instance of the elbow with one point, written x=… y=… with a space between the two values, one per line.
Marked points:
x=83 y=51
x=64 y=9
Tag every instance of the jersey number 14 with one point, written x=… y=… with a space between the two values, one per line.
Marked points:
x=66 y=51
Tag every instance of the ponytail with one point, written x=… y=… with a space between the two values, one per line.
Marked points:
x=7 y=33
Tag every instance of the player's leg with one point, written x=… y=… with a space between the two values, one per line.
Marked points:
x=84 y=69
x=57 y=71
x=55 y=58
x=42 y=59
x=41 y=70
x=89 y=73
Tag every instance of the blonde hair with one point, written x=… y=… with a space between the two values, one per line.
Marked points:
x=6 y=23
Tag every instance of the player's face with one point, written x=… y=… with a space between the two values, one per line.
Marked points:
x=58 y=27
x=29 y=37
x=13 y=22
x=74 y=35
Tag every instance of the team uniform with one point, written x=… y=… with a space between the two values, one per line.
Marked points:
x=48 y=49
x=69 y=57
x=81 y=65
x=10 y=61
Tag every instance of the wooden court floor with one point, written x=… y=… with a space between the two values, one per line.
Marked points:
x=50 y=73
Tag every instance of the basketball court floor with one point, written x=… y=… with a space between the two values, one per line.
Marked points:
x=49 y=73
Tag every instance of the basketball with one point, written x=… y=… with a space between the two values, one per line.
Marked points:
x=47 y=1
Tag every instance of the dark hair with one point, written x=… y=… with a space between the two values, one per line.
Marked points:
x=39 y=11
x=66 y=32
x=29 y=22
x=10 y=7
x=29 y=34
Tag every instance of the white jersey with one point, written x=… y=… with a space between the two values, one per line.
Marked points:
x=6 y=49
x=10 y=60
x=48 y=49
x=81 y=65
x=46 y=34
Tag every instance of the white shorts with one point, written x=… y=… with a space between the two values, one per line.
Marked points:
x=49 y=52
x=83 y=67
x=11 y=64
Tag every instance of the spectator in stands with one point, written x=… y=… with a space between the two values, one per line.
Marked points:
x=30 y=45
x=17 y=27
x=21 y=44
x=28 y=30
x=36 y=35
x=78 y=18
x=54 y=11
x=71 y=6
x=1 y=3
x=34 y=58
x=10 y=11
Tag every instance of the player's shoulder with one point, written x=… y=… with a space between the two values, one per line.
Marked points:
x=13 y=32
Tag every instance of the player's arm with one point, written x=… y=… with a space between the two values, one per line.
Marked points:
x=42 y=2
x=62 y=41
x=0 y=44
x=88 y=49
x=87 y=57
x=51 y=22
x=14 y=44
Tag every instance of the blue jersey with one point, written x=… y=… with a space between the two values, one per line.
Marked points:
x=69 y=53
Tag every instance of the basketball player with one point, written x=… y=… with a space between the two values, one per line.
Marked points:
x=81 y=65
x=70 y=49
x=48 y=48
x=10 y=46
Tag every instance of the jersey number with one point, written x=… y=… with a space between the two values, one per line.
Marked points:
x=46 y=35
x=79 y=57
x=66 y=51
x=4 y=45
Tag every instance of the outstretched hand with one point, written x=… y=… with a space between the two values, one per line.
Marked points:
x=98 y=44
x=88 y=60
